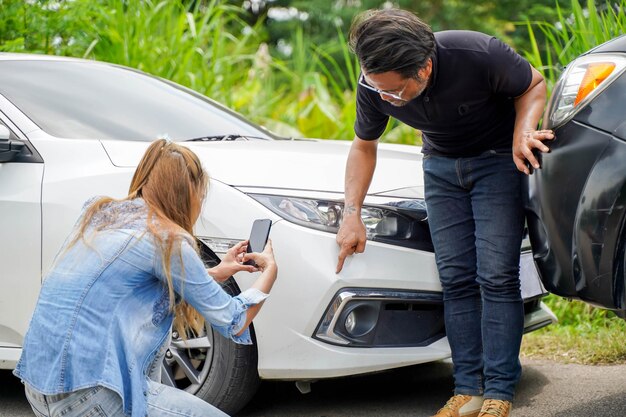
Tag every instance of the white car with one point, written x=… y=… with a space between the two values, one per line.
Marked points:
x=71 y=129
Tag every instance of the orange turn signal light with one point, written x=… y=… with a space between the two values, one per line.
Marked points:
x=595 y=74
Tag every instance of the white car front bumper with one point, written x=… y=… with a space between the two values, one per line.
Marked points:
x=288 y=328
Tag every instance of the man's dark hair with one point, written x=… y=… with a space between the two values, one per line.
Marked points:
x=391 y=40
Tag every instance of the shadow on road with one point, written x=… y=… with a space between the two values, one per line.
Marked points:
x=11 y=395
x=530 y=387
x=413 y=391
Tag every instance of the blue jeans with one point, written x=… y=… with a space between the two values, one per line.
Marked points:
x=476 y=221
x=163 y=401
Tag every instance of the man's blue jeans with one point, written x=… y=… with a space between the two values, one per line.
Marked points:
x=476 y=220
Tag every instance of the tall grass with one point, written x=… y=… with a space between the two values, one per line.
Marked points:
x=205 y=45
x=208 y=46
x=584 y=334
x=325 y=106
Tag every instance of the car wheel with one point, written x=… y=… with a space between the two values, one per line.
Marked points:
x=212 y=367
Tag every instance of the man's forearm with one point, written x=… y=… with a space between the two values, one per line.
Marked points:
x=359 y=172
x=526 y=138
x=529 y=107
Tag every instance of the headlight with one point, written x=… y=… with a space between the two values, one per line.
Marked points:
x=583 y=79
x=218 y=244
x=402 y=223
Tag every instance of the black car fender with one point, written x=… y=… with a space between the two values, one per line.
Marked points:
x=599 y=230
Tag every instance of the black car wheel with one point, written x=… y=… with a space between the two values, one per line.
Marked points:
x=212 y=367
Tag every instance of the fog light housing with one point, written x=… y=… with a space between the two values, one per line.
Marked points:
x=360 y=318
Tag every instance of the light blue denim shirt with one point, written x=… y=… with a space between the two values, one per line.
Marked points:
x=103 y=311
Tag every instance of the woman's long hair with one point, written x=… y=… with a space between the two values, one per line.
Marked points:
x=172 y=182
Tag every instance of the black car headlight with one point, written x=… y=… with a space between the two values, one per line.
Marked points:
x=583 y=79
x=399 y=223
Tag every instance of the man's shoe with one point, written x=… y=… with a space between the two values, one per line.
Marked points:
x=461 y=406
x=495 y=408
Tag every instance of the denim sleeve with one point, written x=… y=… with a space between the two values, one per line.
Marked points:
x=245 y=300
x=227 y=314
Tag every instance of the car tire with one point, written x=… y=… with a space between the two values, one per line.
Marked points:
x=233 y=378
x=212 y=367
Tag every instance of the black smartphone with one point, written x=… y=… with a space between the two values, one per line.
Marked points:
x=258 y=237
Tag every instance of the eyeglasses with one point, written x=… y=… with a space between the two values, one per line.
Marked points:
x=397 y=96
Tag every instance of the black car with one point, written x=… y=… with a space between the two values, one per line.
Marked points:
x=576 y=208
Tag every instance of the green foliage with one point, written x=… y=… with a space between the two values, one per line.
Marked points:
x=584 y=334
x=318 y=45
x=207 y=46
x=225 y=52
x=41 y=27
x=582 y=316
x=204 y=47
x=323 y=17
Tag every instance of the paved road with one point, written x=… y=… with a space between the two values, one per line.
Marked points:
x=547 y=389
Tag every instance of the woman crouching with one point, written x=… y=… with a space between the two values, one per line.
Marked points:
x=128 y=273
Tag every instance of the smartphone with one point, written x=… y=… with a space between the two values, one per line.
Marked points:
x=258 y=237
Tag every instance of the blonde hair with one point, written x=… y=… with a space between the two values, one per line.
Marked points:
x=172 y=182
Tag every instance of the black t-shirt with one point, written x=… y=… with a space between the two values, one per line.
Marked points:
x=468 y=107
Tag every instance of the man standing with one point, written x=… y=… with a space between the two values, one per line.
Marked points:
x=477 y=104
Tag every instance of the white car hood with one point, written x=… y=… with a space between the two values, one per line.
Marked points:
x=315 y=165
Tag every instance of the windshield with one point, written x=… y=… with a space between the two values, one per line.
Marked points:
x=84 y=99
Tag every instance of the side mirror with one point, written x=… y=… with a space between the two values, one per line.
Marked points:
x=9 y=149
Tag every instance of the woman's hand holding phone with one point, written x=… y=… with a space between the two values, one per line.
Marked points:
x=232 y=263
x=263 y=260
x=235 y=257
